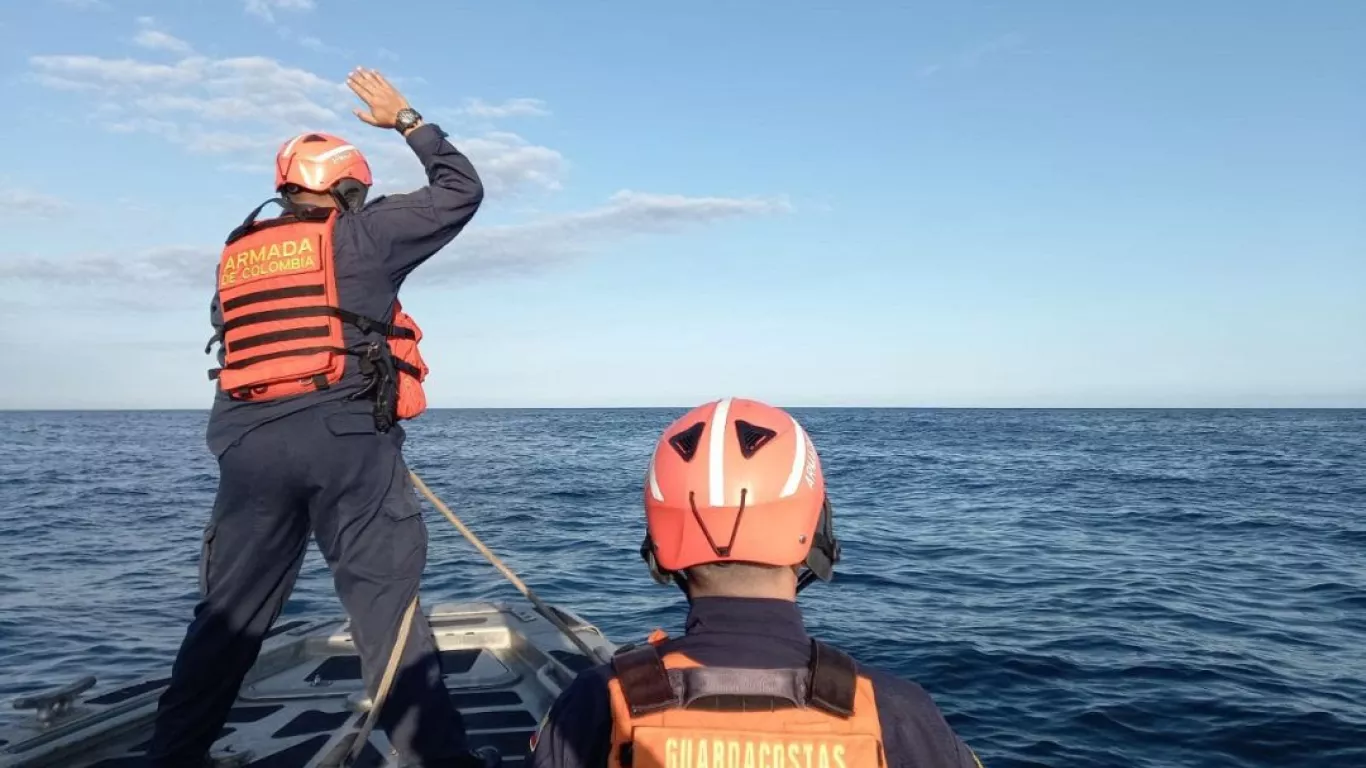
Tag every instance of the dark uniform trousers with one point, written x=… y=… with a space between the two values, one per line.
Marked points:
x=326 y=470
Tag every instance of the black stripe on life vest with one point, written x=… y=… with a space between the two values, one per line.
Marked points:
x=365 y=324
x=250 y=361
x=290 y=292
x=408 y=368
x=270 y=315
x=291 y=334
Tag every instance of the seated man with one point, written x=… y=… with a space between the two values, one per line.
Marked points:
x=737 y=516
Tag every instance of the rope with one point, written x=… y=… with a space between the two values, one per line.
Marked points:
x=385 y=683
x=363 y=736
x=506 y=571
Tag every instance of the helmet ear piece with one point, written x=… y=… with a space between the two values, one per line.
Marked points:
x=825 y=549
x=647 y=553
x=350 y=194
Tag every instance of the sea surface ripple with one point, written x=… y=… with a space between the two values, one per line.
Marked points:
x=1074 y=588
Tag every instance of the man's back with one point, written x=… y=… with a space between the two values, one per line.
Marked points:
x=308 y=451
x=754 y=634
x=375 y=249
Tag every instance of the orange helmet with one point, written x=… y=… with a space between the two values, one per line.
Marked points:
x=737 y=481
x=321 y=162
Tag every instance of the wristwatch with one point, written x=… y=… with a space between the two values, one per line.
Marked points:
x=406 y=119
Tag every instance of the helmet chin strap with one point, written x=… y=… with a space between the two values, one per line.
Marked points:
x=804 y=579
x=682 y=582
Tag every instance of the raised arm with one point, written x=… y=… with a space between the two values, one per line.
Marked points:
x=410 y=228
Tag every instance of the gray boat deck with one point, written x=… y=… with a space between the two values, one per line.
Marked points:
x=503 y=664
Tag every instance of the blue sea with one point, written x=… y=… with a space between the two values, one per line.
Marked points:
x=1074 y=588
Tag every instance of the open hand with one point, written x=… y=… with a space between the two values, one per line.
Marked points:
x=379 y=95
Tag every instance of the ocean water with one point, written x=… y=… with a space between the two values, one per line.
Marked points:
x=1074 y=588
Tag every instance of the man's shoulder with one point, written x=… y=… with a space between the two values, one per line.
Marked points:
x=376 y=216
x=390 y=202
x=891 y=690
x=576 y=730
x=595 y=675
x=588 y=690
x=894 y=688
x=914 y=729
x=591 y=686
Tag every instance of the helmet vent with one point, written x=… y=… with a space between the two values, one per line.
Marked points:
x=312 y=137
x=752 y=437
x=685 y=442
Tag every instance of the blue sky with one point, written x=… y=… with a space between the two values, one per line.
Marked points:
x=957 y=204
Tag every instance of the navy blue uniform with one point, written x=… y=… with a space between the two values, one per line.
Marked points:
x=756 y=634
x=317 y=463
x=375 y=250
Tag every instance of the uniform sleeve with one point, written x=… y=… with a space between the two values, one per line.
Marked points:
x=577 y=731
x=914 y=731
x=410 y=228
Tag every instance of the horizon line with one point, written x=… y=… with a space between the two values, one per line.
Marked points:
x=1359 y=407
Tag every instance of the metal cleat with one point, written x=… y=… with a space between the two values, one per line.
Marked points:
x=54 y=703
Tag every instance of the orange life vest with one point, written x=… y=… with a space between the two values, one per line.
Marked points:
x=282 y=319
x=670 y=712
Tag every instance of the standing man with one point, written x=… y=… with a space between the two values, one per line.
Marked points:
x=317 y=366
x=737 y=516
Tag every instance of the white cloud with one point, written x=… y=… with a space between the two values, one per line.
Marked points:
x=245 y=107
x=506 y=161
x=256 y=169
x=971 y=57
x=523 y=248
x=479 y=252
x=23 y=202
x=242 y=108
x=163 y=267
x=509 y=108
x=95 y=73
x=385 y=53
x=191 y=101
x=157 y=40
x=265 y=9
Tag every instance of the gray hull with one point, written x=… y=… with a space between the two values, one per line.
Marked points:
x=303 y=701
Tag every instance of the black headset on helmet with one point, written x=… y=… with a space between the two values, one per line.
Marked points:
x=350 y=194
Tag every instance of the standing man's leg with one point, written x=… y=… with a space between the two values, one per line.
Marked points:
x=253 y=547
x=370 y=530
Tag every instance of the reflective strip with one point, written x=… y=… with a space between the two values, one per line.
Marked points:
x=716 y=457
x=798 y=461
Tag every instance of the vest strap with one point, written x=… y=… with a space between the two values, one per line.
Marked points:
x=726 y=689
x=829 y=683
x=834 y=679
x=644 y=681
